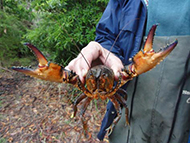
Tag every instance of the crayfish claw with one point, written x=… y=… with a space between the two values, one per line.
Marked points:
x=27 y=71
x=149 y=41
x=45 y=70
x=147 y=59
x=41 y=58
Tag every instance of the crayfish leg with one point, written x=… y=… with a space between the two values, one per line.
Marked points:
x=84 y=122
x=123 y=102
x=123 y=92
x=77 y=101
x=118 y=110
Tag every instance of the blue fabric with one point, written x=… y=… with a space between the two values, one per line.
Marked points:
x=107 y=121
x=128 y=16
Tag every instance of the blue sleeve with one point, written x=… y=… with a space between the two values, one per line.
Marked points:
x=108 y=28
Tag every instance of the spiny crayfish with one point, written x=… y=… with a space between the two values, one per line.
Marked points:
x=100 y=79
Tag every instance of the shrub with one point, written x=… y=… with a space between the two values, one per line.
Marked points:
x=14 y=21
x=11 y=32
x=59 y=24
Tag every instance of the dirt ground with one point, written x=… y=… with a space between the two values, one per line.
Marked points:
x=35 y=111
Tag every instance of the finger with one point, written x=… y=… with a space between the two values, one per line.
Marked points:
x=83 y=62
x=116 y=71
x=90 y=52
x=82 y=75
x=71 y=66
x=116 y=65
x=79 y=66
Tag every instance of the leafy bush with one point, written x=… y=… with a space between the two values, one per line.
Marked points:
x=11 y=32
x=14 y=20
x=62 y=23
x=56 y=27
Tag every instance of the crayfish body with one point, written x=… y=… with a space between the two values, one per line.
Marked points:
x=100 y=81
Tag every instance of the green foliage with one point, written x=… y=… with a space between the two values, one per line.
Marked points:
x=11 y=32
x=14 y=21
x=56 y=27
x=61 y=24
x=19 y=8
x=3 y=140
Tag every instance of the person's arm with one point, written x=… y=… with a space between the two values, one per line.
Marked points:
x=92 y=52
x=106 y=33
x=108 y=28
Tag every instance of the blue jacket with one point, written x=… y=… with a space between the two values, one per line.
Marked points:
x=125 y=18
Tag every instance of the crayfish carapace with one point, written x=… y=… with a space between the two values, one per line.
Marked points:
x=100 y=79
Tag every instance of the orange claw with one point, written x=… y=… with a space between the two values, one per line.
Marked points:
x=46 y=70
x=147 y=59
x=41 y=58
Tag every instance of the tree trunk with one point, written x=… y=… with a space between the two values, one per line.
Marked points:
x=1 y=3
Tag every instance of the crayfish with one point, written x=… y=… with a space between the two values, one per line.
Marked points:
x=100 y=81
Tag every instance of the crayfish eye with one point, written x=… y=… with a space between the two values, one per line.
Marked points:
x=104 y=74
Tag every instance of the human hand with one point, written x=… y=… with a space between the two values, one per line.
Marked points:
x=94 y=52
